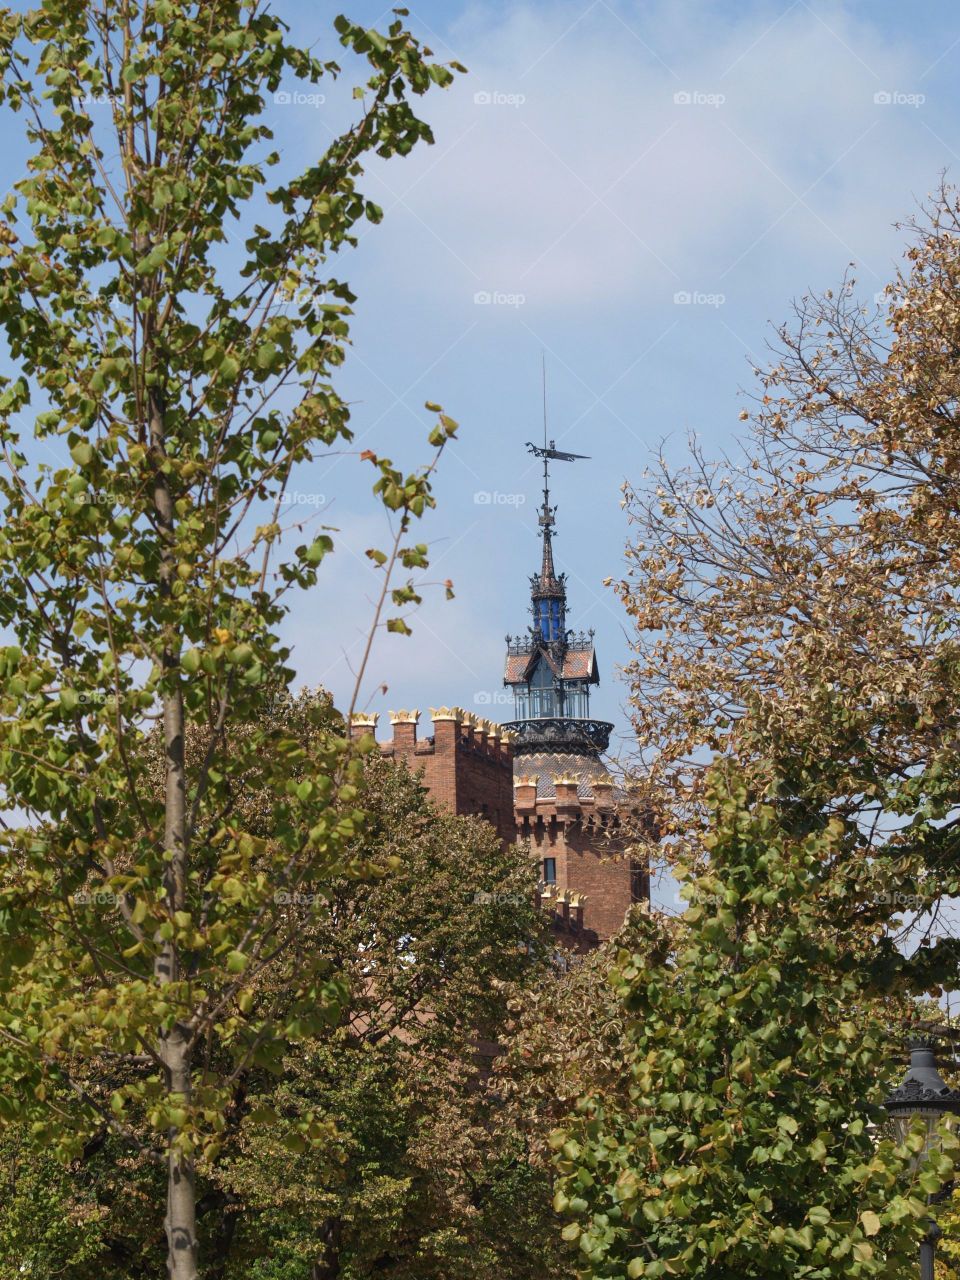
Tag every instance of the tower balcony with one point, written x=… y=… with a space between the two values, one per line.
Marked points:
x=576 y=641
x=560 y=734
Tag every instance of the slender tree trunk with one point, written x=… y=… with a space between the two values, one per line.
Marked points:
x=331 y=1234
x=175 y=1051
x=181 y=1219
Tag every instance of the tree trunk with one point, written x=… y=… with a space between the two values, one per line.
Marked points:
x=331 y=1233
x=175 y=1052
x=181 y=1219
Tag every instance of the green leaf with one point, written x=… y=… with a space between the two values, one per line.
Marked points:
x=190 y=661
x=870 y=1222
x=318 y=549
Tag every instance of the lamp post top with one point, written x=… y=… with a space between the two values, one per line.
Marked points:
x=923 y=1087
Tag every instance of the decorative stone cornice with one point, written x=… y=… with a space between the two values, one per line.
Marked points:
x=360 y=720
x=404 y=717
x=912 y=1091
x=447 y=713
x=526 y=780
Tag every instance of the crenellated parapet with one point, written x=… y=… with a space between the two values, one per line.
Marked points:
x=361 y=724
x=466 y=762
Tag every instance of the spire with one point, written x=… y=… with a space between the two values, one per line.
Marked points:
x=546 y=584
x=546 y=568
x=547 y=513
x=551 y=669
x=548 y=590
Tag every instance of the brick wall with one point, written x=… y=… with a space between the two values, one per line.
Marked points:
x=588 y=848
x=466 y=764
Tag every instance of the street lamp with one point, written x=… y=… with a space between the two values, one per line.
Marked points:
x=923 y=1092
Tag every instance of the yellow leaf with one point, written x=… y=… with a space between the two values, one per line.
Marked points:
x=870 y=1223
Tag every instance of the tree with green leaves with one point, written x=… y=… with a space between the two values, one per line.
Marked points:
x=423 y=1186
x=743 y=1138
x=142 y=581
x=418 y=1177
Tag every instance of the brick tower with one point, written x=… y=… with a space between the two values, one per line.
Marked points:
x=566 y=804
x=540 y=778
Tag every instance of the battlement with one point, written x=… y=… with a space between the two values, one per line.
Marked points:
x=578 y=824
x=466 y=763
x=565 y=806
x=572 y=799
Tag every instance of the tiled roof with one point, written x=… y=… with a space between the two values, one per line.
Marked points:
x=516 y=668
x=578 y=664
x=549 y=765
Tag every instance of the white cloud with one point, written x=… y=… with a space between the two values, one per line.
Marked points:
x=598 y=185
x=796 y=172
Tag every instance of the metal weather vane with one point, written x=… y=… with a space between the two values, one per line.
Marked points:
x=553 y=452
x=546 y=452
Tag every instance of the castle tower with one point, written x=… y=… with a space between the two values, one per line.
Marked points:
x=566 y=803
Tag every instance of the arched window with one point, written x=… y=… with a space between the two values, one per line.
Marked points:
x=548 y=619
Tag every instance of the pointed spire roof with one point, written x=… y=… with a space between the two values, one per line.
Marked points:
x=547 y=582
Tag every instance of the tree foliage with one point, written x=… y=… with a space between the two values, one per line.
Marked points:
x=417 y=1177
x=742 y=1138
x=183 y=382
x=796 y=608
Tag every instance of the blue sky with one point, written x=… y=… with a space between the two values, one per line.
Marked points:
x=603 y=161
x=599 y=160
x=634 y=191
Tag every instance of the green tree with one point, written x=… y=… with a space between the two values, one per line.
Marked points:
x=418 y=1177
x=186 y=382
x=741 y=1139
x=433 y=954
x=424 y=1186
